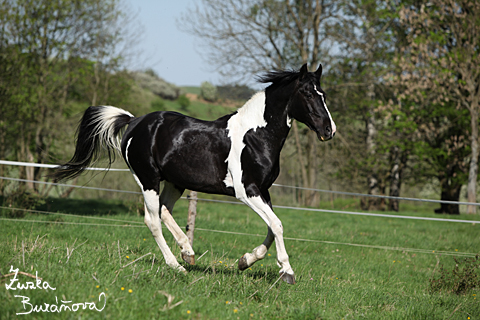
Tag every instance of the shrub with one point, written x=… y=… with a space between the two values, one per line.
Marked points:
x=22 y=200
x=157 y=85
x=208 y=91
x=464 y=276
x=157 y=105
x=235 y=92
x=183 y=101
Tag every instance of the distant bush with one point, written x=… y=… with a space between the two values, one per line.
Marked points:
x=183 y=101
x=157 y=105
x=235 y=92
x=208 y=91
x=20 y=199
x=150 y=81
x=151 y=72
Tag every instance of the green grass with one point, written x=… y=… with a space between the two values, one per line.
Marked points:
x=335 y=280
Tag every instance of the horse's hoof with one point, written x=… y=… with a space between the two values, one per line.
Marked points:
x=288 y=278
x=188 y=259
x=242 y=263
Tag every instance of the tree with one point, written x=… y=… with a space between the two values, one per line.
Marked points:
x=440 y=63
x=208 y=91
x=45 y=46
x=367 y=40
x=245 y=37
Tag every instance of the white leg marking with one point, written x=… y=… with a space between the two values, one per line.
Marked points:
x=258 y=205
x=153 y=221
x=177 y=233
x=267 y=214
x=168 y=198
x=259 y=252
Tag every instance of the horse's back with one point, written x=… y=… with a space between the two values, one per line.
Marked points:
x=186 y=151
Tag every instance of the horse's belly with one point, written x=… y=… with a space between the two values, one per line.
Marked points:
x=198 y=169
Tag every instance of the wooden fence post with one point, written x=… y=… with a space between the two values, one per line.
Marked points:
x=192 y=213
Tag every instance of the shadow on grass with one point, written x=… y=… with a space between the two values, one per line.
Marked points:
x=87 y=207
x=269 y=275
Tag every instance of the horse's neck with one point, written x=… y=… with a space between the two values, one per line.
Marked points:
x=258 y=113
x=271 y=116
x=253 y=110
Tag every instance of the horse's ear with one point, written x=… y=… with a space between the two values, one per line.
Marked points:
x=303 y=71
x=318 y=73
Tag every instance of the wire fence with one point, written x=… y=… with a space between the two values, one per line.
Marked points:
x=130 y=224
x=379 y=215
x=134 y=224
x=52 y=166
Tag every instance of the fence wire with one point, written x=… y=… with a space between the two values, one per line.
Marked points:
x=16 y=163
x=379 y=215
x=134 y=224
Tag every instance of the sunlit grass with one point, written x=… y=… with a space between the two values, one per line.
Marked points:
x=336 y=278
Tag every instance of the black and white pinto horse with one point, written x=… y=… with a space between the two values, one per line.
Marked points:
x=236 y=155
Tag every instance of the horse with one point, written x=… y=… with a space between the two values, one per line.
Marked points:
x=236 y=155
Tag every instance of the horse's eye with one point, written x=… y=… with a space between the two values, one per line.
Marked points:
x=308 y=95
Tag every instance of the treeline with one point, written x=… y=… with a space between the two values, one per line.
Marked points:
x=402 y=81
x=56 y=58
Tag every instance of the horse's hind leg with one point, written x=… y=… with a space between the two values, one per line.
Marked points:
x=170 y=194
x=154 y=223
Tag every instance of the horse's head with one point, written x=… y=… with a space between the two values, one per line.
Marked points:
x=308 y=104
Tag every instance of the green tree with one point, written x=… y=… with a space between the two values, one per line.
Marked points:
x=367 y=40
x=439 y=64
x=243 y=38
x=45 y=46
x=208 y=91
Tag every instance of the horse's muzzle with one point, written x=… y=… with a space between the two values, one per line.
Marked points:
x=327 y=136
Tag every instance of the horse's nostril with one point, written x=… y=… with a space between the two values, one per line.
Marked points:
x=333 y=135
x=328 y=131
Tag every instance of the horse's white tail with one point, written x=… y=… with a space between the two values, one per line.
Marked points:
x=108 y=123
x=99 y=130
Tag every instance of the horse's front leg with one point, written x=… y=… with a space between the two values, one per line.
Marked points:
x=261 y=207
x=248 y=259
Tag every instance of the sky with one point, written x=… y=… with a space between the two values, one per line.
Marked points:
x=172 y=53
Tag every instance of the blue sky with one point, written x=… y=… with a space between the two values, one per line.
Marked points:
x=167 y=50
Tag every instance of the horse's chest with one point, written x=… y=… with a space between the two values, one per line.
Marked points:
x=237 y=128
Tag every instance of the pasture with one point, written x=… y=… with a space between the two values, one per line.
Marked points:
x=342 y=272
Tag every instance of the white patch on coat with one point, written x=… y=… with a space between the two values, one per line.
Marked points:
x=289 y=121
x=228 y=180
x=128 y=164
x=248 y=117
x=334 y=127
x=126 y=150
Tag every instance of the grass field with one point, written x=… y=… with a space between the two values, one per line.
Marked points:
x=338 y=275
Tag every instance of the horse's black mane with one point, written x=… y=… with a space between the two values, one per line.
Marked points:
x=279 y=77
